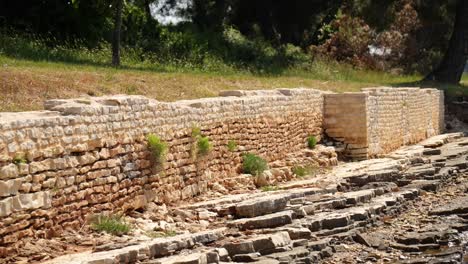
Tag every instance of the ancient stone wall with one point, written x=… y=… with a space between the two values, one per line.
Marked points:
x=90 y=155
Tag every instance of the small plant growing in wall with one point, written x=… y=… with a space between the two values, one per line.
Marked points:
x=19 y=158
x=111 y=224
x=311 y=142
x=253 y=164
x=232 y=145
x=202 y=145
x=157 y=147
x=301 y=171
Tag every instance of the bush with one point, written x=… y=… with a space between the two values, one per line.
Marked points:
x=157 y=147
x=253 y=164
x=232 y=145
x=111 y=224
x=203 y=145
x=311 y=142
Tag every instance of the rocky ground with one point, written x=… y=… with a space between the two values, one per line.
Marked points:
x=408 y=207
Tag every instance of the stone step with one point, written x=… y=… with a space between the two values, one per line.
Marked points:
x=264 y=221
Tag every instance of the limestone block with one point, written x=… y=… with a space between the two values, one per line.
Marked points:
x=9 y=172
x=10 y=187
x=31 y=201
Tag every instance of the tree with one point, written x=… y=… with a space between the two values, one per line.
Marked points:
x=451 y=68
x=117 y=32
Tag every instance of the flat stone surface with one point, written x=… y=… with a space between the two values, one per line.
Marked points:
x=261 y=206
x=265 y=221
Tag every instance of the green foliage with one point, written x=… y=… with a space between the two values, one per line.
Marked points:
x=203 y=145
x=253 y=164
x=111 y=224
x=20 y=158
x=311 y=142
x=196 y=132
x=157 y=147
x=302 y=171
x=269 y=188
x=232 y=145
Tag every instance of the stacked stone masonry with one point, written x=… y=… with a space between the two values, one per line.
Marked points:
x=86 y=156
x=379 y=120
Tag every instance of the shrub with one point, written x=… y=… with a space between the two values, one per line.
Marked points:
x=311 y=142
x=232 y=145
x=269 y=188
x=111 y=224
x=157 y=147
x=203 y=145
x=253 y=164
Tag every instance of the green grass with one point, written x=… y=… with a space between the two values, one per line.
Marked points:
x=232 y=145
x=111 y=224
x=308 y=170
x=311 y=142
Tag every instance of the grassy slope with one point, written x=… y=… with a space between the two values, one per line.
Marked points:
x=24 y=85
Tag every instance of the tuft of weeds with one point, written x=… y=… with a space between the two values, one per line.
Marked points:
x=203 y=145
x=232 y=145
x=20 y=158
x=196 y=132
x=253 y=164
x=311 y=142
x=157 y=147
x=301 y=171
x=270 y=188
x=111 y=224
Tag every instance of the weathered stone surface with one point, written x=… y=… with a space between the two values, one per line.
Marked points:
x=459 y=206
x=265 y=221
x=261 y=206
x=266 y=243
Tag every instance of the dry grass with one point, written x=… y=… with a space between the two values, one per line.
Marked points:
x=24 y=85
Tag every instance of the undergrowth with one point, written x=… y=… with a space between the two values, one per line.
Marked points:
x=253 y=164
x=111 y=224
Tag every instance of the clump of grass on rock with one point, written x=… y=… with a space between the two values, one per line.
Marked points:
x=203 y=145
x=311 y=142
x=270 y=188
x=253 y=164
x=111 y=224
x=232 y=145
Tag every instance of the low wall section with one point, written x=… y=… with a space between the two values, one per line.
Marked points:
x=90 y=155
x=379 y=120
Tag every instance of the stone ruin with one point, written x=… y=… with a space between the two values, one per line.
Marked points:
x=85 y=156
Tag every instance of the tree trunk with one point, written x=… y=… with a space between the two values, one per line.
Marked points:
x=116 y=33
x=451 y=68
